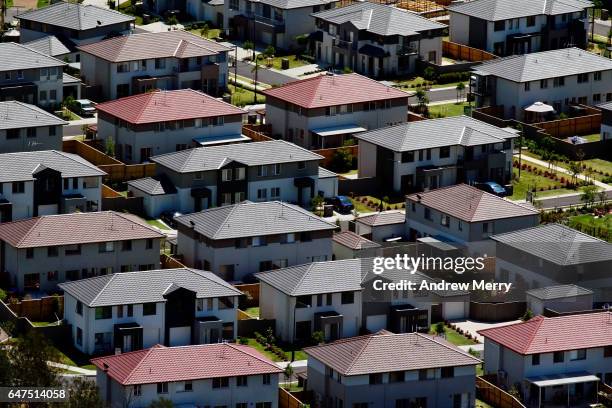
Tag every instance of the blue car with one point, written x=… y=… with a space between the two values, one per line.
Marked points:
x=493 y=188
x=341 y=204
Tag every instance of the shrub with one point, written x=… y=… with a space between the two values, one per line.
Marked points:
x=243 y=340
x=3 y=295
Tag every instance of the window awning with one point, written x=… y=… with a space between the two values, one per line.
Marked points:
x=215 y=140
x=338 y=130
x=562 y=379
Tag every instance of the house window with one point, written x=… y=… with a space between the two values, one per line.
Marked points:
x=221 y=382
x=288 y=238
x=149 y=309
x=329 y=298
x=52 y=252
x=19 y=74
x=18 y=187
x=149 y=243
x=558 y=82
x=319 y=300
x=162 y=388
x=485 y=227
x=79 y=336
x=160 y=63
x=259 y=241
x=263 y=405
x=348 y=298
x=499 y=25
x=130 y=310
x=91 y=182
x=262 y=171
x=52 y=276
x=73 y=249
x=119 y=311
x=275 y=192
x=126 y=245
x=444 y=152
x=543 y=83
x=276 y=169
x=535 y=359
x=137 y=390
x=447 y=372
x=597 y=76
x=266 y=379
x=398 y=376
x=186 y=386
x=303 y=301
x=460 y=225
x=241 y=381
x=79 y=307
x=583 y=78
x=104 y=312
x=376 y=378
x=579 y=354
x=239 y=173
x=428 y=214
x=607 y=351
x=596 y=98
x=31 y=132
x=531 y=20
x=558 y=357
x=407 y=157
x=226 y=175
x=106 y=247
x=445 y=220
x=13 y=134
x=262 y=194
x=226 y=302
x=72 y=275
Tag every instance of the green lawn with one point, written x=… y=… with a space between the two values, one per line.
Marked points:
x=276 y=62
x=600 y=165
x=411 y=84
x=595 y=137
x=452 y=336
x=241 y=96
x=42 y=3
x=71 y=356
x=600 y=227
x=252 y=311
x=449 y=109
x=158 y=224
x=43 y=324
x=530 y=180
x=482 y=404
x=360 y=207
x=212 y=32
x=299 y=354
x=9 y=3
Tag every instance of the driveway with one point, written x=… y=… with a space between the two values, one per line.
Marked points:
x=472 y=327
x=267 y=76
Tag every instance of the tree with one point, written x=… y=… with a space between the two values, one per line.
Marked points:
x=318 y=337
x=29 y=358
x=248 y=45
x=110 y=146
x=574 y=168
x=204 y=30
x=288 y=373
x=269 y=51
x=460 y=90
x=316 y=202
x=172 y=20
x=84 y=393
x=161 y=403
x=429 y=74
x=527 y=315
x=5 y=369
x=589 y=195
x=342 y=160
x=439 y=328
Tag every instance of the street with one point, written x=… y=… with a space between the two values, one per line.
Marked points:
x=565 y=200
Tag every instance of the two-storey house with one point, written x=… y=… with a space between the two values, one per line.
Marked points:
x=135 y=310
x=343 y=298
x=41 y=252
x=429 y=154
x=554 y=360
x=464 y=214
x=73 y=24
x=386 y=369
x=238 y=240
x=511 y=27
x=160 y=122
x=558 y=78
x=327 y=110
x=30 y=76
x=139 y=63
x=376 y=39
x=25 y=127
x=554 y=254
x=196 y=179
x=272 y=22
x=212 y=375
x=47 y=182
x=606 y=121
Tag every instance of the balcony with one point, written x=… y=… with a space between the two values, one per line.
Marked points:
x=343 y=44
x=277 y=24
x=406 y=50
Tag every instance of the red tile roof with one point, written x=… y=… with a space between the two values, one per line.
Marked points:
x=330 y=90
x=470 y=204
x=76 y=228
x=178 y=44
x=168 y=364
x=162 y=106
x=549 y=334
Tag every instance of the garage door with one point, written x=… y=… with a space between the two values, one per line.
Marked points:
x=376 y=323
x=180 y=336
x=453 y=310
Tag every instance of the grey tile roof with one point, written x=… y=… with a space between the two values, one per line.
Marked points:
x=379 y=19
x=324 y=173
x=20 y=166
x=249 y=219
x=545 y=64
x=337 y=276
x=426 y=134
x=558 y=292
x=16 y=56
x=48 y=45
x=17 y=115
x=378 y=353
x=470 y=204
x=559 y=244
x=75 y=16
x=291 y=4
x=250 y=154
x=152 y=186
x=146 y=286
x=494 y=10
x=383 y=218
x=354 y=241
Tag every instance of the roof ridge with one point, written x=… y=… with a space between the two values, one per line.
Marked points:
x=260 y=358
x=234 y=207
x=360 y=352
x=539 y=321
x=306 y=273
x=206 y=276
x=144 y=357
x=40 y=53
x=30 y=230
x=112 y=277
x=445 y=344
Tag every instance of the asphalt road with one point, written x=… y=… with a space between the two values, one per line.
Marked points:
x=263 y=75
x=566 y=201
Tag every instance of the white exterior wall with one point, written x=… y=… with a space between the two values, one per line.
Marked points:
x=459 y=28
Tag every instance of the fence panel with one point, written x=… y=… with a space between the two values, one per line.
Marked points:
x=287 y=400
x=495 y=396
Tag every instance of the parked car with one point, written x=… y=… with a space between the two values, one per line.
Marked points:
x=493 y=188
x=341 y=204
x=85 y=107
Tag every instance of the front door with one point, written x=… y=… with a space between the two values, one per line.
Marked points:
x=128 y=343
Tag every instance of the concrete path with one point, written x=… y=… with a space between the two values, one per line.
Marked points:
x=562 y=170
x=565 y=200
x=472 y=327
x=79 y=370
x=295 y=364
x=75 y=127
x=476 y=347
x=301 y=72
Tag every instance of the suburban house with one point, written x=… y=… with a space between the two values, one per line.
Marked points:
x=41 y=252
x=50 y=45
x=559 y=78
x=606 y=121
x=30 y=76
x=366 y=371
x=272 y=22
x=196 y=179
x=561 y=256
x=135 y=310
x=215 y=375
x=382 y=226
x=327 y=110
x=552 y=360
x=238 y=240
x=376 y=39
x=73 y=24
x=464 y=214
x=559 y=298
x=328 y=183
x=348 y=245
x=160 y=122
x=206 y=10
x=511 y=27
x=429 y=154
x=25 y=127
x=338 y=299
x=47 y=182
x=139 y=63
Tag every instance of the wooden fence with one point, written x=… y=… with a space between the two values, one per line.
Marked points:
x=465 y=53
x=168 y=262
x=287 y=400
x=564 y=128
x=495 y=396
x=112 y=200
x=496 y=312
x=257 y=133
x=45 y=309
x=251 y=290
x=328 y=154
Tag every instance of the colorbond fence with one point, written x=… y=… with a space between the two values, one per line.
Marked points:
x=45 y=309
x=465 y=53
x=495 y=396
